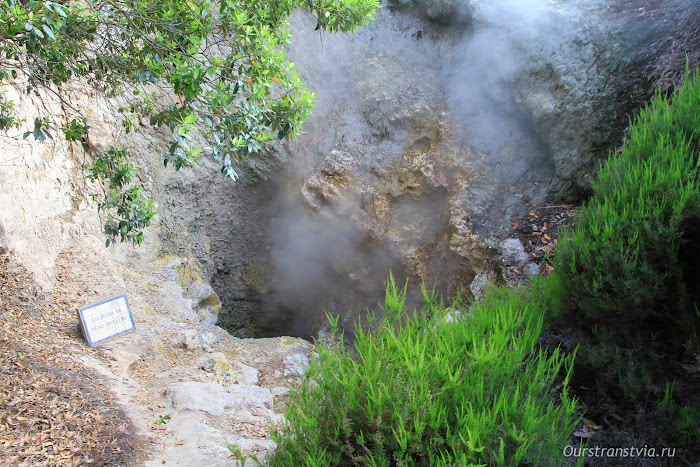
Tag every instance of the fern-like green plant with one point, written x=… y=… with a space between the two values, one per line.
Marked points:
x=621 y=262
x=471 y=392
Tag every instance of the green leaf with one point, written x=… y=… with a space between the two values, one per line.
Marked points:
x=246 y=118
x=48 y=30
x=59 y=9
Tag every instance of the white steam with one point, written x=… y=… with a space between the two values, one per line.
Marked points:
x=372 y=86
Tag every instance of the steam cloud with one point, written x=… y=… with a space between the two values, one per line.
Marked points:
x=314 y=257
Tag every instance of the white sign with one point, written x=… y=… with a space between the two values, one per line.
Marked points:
x=103 y=320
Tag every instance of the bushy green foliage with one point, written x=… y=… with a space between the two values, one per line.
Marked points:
x=427 y=392
x=220 y=63
x=629 y=271
x=621 y=261
x=120 y=201
x=7 y=115
x=548 y=293
x=680 y=423
x=214 y=69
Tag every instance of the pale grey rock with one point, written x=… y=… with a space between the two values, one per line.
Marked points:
x=200 y=292
x=205 y=302
x=195 y=339
x=192 y=395
x=246 y=374
x=242 y=403
x=513 y=253
x=450 y=316
x=225 y=372
x=208 y=340
x=531 y=269
x=208 y=362
x=201 y=443
x=478 y=284
x=189 y=339
x=295 y=365
x=279 y=391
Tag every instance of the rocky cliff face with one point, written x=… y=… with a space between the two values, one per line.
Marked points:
x=212 y=390
x=433 y=126
x=438 y=123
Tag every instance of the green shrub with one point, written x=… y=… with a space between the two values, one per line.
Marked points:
x=473 y=392
x=121 y=201
x=548 y=293
x=680 y=423
x=621 y=261
x=629 y=267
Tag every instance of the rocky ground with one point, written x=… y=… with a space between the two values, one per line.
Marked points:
x=181 y=391
x=538 y=231
x=174 y=391
x=177 y=390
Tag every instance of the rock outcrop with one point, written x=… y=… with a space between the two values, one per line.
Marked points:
x=52 y=226
x=434 y=125
x=431 y=134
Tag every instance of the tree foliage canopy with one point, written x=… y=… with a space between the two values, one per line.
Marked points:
x=213 y=68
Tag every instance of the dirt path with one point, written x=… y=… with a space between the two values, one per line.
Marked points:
x=175 y=391
x=53 y=411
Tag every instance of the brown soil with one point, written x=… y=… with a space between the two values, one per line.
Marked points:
x=539 y=230
x=53 y=411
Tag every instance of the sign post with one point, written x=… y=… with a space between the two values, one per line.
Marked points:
x=103 y=320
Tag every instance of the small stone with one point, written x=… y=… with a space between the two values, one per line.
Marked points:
x=513 y=253
x=450 y=316
x=191 y=341
x=279 y=391
x=208 y=340
x=247 y=374
x=478 y=284
x=295 y=365
x=242 y=403
x=205 y=303
x=531 y=269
